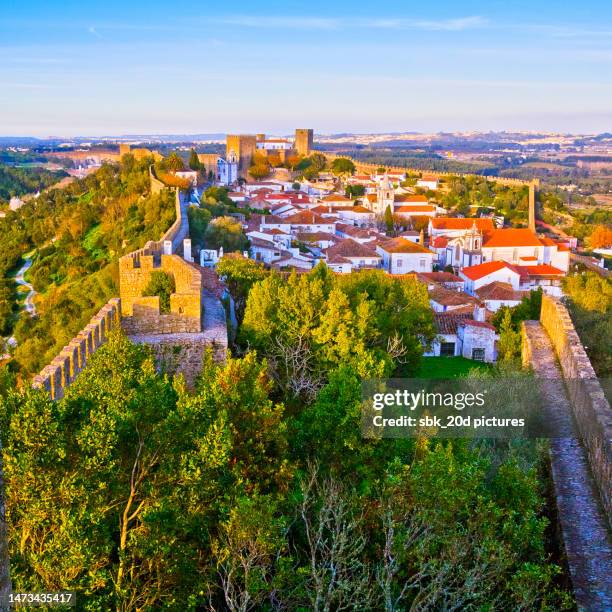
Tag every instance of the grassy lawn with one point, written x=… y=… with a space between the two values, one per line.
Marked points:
x=448 y=367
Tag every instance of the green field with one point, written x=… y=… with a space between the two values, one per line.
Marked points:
x=448 y=367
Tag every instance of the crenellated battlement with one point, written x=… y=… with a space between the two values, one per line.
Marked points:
x=64 y=368
x=141 y=314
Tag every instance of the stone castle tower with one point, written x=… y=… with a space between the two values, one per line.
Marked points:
x=303 y=141
x=243 y=147
x=385 y=196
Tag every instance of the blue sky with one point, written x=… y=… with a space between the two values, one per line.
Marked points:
x=114 y=67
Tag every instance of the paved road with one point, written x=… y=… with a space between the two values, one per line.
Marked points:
x=28 y=305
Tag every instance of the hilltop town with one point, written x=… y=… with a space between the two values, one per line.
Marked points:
x=312 y=208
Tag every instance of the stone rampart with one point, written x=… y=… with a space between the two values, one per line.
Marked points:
x=60 y=373
x=372 y=168
x=589 y=404
x=179 y=230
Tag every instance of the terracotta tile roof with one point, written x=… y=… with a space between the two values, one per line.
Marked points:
x=561 y=248
x=306 y=217
x=415 y=209
x=275 y=207
x=276 y=231
x=316 y=236
x=467 y=309
x=263 y=243
x=336 y=197
x=321 y=209
x=440 y=277
x=356 y=209
x=528 y=258
x=448 y=297
x=481 y=270
x=439 y=242
x=542 y=270
x=274 y=220
x=511 y=238
x=401 y=245
x=447 y=322
x=547 y=241
x=451 y=223
x=261 y=190
x=410 y=197
x=483 y=324
x=371 y=197
x=357 y=232
x=499 y=291
x=337 y=259
x=351 y=248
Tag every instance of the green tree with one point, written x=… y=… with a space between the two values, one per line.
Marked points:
x=194 y=160
x=389 y=219
x=225 y=232
x=199 y=218
x=354 y=191
x=509 y=346
x=240 y=274
x=318 y=162
x=174 y=162
x=161 y=284
x=342 y=166
x=259 y=171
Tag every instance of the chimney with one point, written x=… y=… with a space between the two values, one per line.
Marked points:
x=479 y=313
x=187 y=250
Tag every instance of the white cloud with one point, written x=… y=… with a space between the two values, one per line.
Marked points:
x=337 y=23
x=93 y=31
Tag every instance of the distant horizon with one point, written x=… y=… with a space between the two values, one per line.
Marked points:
x=222 y=134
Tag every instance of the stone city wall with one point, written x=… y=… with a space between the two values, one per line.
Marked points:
x=60 y=373
x=156 y=184
x=184 y=355
x=372 y=169
x=591 y=408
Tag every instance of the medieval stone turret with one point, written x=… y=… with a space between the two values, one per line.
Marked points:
x=385 y=196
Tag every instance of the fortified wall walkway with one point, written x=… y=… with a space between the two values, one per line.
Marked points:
x=583 y=521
